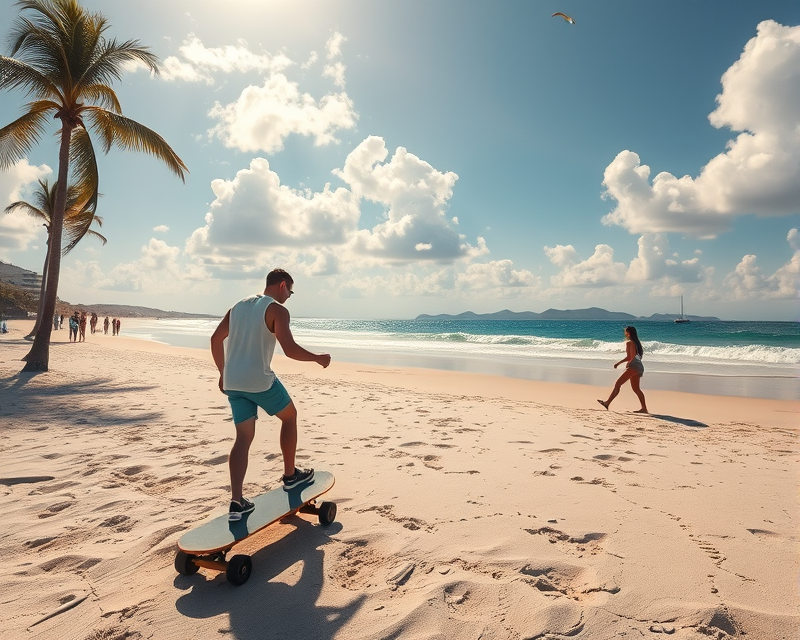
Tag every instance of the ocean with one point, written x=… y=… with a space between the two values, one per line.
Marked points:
x=749 y=359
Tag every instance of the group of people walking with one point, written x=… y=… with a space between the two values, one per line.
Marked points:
x=77 y=325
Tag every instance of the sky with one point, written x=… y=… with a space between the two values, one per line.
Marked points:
x=438 y=156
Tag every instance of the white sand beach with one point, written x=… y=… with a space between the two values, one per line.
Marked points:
x=470 y=506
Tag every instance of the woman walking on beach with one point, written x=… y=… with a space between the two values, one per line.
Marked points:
x=634 y=369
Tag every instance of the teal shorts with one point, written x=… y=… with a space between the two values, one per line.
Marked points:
x=244 y=404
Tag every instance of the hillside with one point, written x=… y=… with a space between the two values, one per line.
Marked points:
x=131 y=311
x=592 y=313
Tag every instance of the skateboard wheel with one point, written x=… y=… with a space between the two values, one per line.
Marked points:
x=184 y=564
x=239 y=569
x=327 y=513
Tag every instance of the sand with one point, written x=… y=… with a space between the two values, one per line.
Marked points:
x=470 y=506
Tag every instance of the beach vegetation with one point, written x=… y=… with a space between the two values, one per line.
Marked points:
x=63 y=62
x=15 y=302
x=79 y=216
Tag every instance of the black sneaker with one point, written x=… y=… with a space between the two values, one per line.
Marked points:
x=300 y=476
x=238 y=509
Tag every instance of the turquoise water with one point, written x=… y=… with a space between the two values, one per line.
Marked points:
x=760 y=359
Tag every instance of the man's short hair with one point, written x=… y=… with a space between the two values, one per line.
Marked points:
x=276 y=276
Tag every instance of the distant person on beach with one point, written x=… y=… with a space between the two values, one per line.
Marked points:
x=119 y=323
x=252 y=327
x=114 y=327
x=93 y=322
x=82 y=323
x=55 y=322
x=73 y=327
x=105 y=326
x=61 y=321
x=634 y=369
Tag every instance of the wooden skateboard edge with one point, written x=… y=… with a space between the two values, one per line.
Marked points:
x=228 y=546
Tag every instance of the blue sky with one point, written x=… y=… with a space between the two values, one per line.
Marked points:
x=447 y=155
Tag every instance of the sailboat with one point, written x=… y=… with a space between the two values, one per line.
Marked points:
x=682 y=318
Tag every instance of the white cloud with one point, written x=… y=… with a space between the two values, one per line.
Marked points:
x=747 y=281
x=162 y=228
x=335 y=68
x=493 y=280
x=197 y=63
x=160 y=269
x=760 y=171
x=599 y=270
x=654 y=262
x=415 y=195
x=262 y=117
x=18 y=230
x=496 y=275
x=255 y=213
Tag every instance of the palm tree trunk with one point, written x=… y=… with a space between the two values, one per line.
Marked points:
x=40 y=309
x=38 y=358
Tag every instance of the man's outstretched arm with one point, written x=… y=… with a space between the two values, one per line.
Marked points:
x=280 y=324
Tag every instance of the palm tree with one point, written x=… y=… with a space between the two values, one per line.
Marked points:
x=78 y=217
x=66 y=65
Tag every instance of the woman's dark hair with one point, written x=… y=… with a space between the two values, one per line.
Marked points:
x=635 y=339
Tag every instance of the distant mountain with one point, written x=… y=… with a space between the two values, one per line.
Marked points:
x=670 y=317
x=130 y=311
x=593 y=313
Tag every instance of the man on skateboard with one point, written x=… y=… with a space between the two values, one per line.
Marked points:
x=252 y=327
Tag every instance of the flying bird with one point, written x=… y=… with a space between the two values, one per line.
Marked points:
x=565 y=16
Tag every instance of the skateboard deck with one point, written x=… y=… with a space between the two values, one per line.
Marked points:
x=207 y=545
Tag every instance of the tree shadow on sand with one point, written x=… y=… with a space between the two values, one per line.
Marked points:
x=261 y=609
x=686 y=422
x=63 y=403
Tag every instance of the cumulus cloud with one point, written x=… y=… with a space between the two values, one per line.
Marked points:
x=496 y=279
x=415 y=196
x=599 y=270
x=18 y=230
x=748 y=281
x=335 y=68
x=654 y=262
x=197 y=63
x=758 y=173
x=263 y=117
x=160 y=269
x=254 y=212
x=162 y=228
x=496 y=275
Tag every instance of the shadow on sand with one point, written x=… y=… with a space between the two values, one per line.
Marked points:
x=686 y=422
x=261 y=609
x=61 y=403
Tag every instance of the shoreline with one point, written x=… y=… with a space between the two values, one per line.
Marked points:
x=704 y=407
x=744 y=380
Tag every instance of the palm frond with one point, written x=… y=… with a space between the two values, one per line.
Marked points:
x=101 y=95
x=83 y=164
x=129 y=134
x=25 y=207
x=18 y=138
x=77 y=223
x=111 y=59
x=16 y=74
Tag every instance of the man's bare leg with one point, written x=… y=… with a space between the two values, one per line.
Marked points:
x=288 y=418
x=237 y=461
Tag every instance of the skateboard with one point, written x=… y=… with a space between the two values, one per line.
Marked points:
x=207 y=545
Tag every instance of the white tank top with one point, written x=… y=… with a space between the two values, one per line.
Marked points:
x=249 y=348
